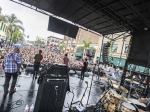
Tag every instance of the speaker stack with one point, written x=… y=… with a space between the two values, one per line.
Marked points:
x=52 y=89
x=105 y=52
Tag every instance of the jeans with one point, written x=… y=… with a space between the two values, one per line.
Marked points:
x=82 y=74
x=7 y=80
x=36 y=69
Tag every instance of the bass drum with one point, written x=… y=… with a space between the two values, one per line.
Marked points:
x=109 y=101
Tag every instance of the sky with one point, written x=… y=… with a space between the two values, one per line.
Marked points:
x=34 y=23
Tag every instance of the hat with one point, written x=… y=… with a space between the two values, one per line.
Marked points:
x=16 y=49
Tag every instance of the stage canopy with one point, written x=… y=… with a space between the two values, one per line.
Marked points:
x=102 y=16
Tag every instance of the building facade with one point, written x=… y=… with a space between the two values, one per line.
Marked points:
x=72 y=44
x=120 y=45
x=53 y=41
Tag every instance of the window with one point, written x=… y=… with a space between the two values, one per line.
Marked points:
x=114 y=48
x=126 y=48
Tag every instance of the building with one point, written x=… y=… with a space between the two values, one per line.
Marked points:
x=3 y=27
x=42 y=39
x=120 y=45
x=72 y=44
x=54 y=41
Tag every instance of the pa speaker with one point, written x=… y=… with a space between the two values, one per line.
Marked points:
x=105 y=52
x=51 y=95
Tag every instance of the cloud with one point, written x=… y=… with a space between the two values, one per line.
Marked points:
x=35 y=23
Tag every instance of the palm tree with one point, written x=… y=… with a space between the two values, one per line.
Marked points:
x=80 y=48
x=17 y=35
x=3 y=18
x=13 y=22
x=86 y=45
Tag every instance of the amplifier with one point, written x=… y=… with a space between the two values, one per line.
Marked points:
x=51 y=95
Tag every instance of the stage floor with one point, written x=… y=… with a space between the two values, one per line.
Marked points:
x=28 y=91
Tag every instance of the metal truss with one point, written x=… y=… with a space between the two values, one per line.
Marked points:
x=20 y=2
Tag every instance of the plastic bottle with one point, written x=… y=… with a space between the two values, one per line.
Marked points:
x=26 y=108
x=32 y=108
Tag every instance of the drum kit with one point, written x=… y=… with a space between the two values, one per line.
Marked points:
x=111 y=101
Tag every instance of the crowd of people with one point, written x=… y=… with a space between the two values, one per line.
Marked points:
x=13 y=58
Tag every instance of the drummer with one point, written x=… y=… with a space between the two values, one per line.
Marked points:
x=110 y=70
x=147 y=102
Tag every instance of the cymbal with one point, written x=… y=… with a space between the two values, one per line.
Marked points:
x=132 y=81
x=106 y=79
x=122 y=98
x=120 y=88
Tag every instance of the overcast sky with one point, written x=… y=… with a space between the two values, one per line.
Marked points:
x=35 y=23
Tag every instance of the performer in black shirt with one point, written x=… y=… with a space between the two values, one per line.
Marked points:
x=84 y=68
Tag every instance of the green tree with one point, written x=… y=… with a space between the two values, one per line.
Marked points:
x=17 y=35
x=3 y=18
x=39 y=42
x=80 y=48
x=86 y=45
x=13 y=23
x=93 y=49
x=61 y=47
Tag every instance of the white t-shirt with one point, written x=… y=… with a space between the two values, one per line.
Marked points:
x=100 y=66
x=110 y=70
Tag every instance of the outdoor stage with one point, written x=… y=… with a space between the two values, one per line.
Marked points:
x=26 y=94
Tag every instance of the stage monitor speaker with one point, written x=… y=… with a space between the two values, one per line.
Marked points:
x=140 y=48
x=62 y=27
x=51 y=95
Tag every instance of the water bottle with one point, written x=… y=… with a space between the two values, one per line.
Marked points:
x=32 y=108
x=26 y=108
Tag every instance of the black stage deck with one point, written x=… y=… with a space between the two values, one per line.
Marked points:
x=28 y=91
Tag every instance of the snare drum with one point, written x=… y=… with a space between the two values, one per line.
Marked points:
x=127 y=107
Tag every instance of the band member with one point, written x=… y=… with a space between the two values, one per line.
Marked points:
x=147 y=102
x=66 y=60
x=12 y=64
x=38 y=58
x=84 y=68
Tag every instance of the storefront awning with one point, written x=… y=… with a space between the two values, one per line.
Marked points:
x=78 y=54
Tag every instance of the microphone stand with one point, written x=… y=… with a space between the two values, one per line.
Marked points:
x=80 y=102
x=91 y=84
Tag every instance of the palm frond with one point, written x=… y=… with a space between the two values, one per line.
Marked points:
x=16 y=21
x=3 y=18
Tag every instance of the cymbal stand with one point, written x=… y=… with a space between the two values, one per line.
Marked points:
x=129 y=90
x=119 y=110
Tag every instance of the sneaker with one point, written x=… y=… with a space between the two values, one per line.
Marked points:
x=5 y=94
x=13 y=91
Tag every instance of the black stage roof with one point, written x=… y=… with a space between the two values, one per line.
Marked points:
x=102 y=16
